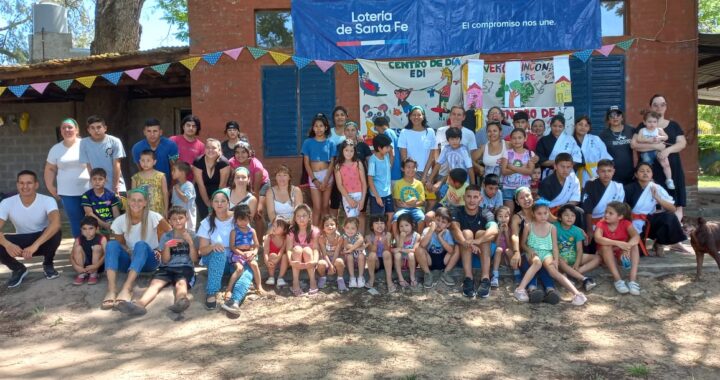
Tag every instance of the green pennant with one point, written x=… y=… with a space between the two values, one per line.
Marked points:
x=257 y=52
x=161 y=68
x=625 y=44
x=350 y=67
x=64 y=84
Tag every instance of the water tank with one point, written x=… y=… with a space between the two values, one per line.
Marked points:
x=49 y=16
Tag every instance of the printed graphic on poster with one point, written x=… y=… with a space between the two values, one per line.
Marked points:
x=474 y=82
x=563 y=84
x=536 y=87
x=513 y=84
x=391 y=88
x=543 y=113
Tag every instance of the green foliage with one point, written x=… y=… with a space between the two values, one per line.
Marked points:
x=638 y=370
x=175 y=13
x=710 y=115
x=273 y=29
x=709 y=143
x=708 y=16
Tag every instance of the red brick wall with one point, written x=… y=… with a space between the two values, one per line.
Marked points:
x=232 y=90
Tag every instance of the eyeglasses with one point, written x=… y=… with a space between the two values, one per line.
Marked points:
x=615 y=114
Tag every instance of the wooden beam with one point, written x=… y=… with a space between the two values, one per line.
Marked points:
x=708 y=60
x=711 y=84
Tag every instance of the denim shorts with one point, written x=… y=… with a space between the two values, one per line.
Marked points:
x=388 y=206
x=508 y=194
x=417 y=214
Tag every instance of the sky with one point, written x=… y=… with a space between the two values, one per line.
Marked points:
x=155 y=32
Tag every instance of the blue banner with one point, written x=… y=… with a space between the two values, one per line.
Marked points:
x=373 y=29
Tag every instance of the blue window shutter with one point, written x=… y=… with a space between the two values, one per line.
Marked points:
x=607 y=78
x=580 y=87
x=280 y=122
x=317 y=94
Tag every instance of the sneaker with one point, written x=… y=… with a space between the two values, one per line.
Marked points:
x=321 y=282
x=589 y=283
x=579 y=299
x=634 y=288
x=231 y=307
x=670 y=184
x=494 y=283
x=270 y=281
x=621 y=287
x=131 y=308
x=536 y=295
x=373 y=291
x=447 y=279
x=551 y=297
x=361 y=282
x=521 y=295
x=93 y=279
x=468 y=287
x=281 y=282
x=50 y=272
x=17 y=277
x=484 y=288
x=353 y=282
x=428 y=280
x=80 y=279
x=180 y=305
x=341 y=285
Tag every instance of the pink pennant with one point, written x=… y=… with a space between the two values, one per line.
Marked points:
x=40 y=87
x=324 y=65
x=234 y=53
x=134 y=73
x=606 y=49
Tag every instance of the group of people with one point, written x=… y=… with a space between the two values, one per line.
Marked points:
x=549 y=203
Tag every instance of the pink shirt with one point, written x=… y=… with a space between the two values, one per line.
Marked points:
x=188 y=151
x=254 y=166
x=351 y=177
x=303 y=240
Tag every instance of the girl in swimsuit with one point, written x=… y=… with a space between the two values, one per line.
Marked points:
x=378 y=245
x=273 y=251
x=331 y=262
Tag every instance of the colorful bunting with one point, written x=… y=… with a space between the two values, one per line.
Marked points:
x=161 y=68
x=2 y=90
x=18 y=90
x=583 y=55
x=64 y=84
x=606 y=49
x=324 y=65
x=212 y=58
x=279 y=58
x=234 y=53
x=113 y=78
x=134 y=73
x=40 y=87
x=301 y=62
x=625 y=44
x=257 y=52
x=350 y=67
x=87 y=81
x=190 y=62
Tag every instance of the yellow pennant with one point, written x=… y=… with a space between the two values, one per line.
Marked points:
x=279 y=58
x=190 y=63
x=2 y=89
x=87 y=81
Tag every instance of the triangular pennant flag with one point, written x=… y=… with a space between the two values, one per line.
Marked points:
x=324 y=65
x=212 y=58
x=18 y=90
x=349 y=67
x=40 y=87
x=87 y=81
x=606 y=49
x=113 y=78
x=2 y=90
x=279 y=58
x=134 y=73
x=625 y=44
x=234 y=53
x=161 y=68
x=190 y=62
x=583 y=55
x=301 y=62
x=257 y=52
x=64 y=84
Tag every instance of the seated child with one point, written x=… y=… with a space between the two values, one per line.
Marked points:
x=88 y=252
x=407 y=241
x=378 y=244
x=354 y=250
x=617 y=239
x=503 y=244
x=100 y=202
x=437 y=250
x=492 y=198
x=570 y=244
x=244 y=245
x=331 y=260
x=302 y=248
x=409 y=195
x=274 y=251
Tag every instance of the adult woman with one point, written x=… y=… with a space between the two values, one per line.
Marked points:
x=554 y=143
x=644 y=196
x=617 y=138
x=214 y=237
x=671 y=148
x=189 y=146
x=259 y=177
x=240 y=191
x=211 y=172
x=417 y=141
x=591 y=147
x=136 y=235
x=63 y=163
x=283 y=197
x=232 y=131
x=495 y=114
x=492 y=153
x=337 y=133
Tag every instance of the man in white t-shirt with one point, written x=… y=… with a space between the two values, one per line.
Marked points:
x=37 y=228
x=457 y=116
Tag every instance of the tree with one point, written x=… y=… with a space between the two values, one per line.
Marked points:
x=117 y=26
x=175 y=13
x=708 y=16
x=273 y=29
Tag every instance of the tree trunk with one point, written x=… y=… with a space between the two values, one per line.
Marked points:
x=117 y=26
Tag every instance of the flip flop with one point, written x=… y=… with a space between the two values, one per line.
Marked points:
x=107 y=304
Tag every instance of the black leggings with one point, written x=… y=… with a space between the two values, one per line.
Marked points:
x=47 y=249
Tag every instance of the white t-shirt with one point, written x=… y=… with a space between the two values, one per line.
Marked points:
x=467 y=139
x=221 y=233
x=28 y=220
x=418 y=145
x=73 y=178
x=119 y=227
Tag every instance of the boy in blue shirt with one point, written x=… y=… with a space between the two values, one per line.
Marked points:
x=491 y=195
x=99 y=202
x=379 y=166
x=382 y=126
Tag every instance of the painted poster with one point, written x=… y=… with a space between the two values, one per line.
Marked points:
x=536 y=87
x=391 y=88
x=474 y=82
x=544 y=113
x=563 y=84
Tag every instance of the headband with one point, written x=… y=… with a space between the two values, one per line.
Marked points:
x=223 y=191
x=242 y=169
x=70 y=121
x=142 y=190
x=520 y=189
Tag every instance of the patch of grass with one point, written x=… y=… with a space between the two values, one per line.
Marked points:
x=705 y=181
x=638 y=370
x=38 y=311
x=58 y=321
x=409 y=377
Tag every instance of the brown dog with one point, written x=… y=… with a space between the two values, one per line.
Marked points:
x=705 y=239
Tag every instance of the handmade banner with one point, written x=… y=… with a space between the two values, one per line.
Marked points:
x=473 y=84
x=373 y=29
x=544 y=113
x=535 y=87
x=563 y=84
x=391 y=88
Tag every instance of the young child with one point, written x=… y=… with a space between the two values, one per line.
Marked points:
x=437 y=248
x=274 y=251
x=409 y=195
x=407 y=241
x=379 y=171
x=617 y=239
x=100 y=202
x=184 y=192
x=354 y=251
x=302 y=248
x=153 y=181
x=454 y=155
x=456 y=185
x=330 y=242
x=350 y=177
x=570 y=244
x=535 y=182
x=503 y=245
x=539 y=240
x=651 y=133
x=88 y=253
x=492 y=198
x=179 y=253
x=378 y=244
x=244 y=246
x=319 y=159
x=516 y=167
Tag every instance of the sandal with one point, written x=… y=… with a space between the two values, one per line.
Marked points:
x=391 y=288
x=211 y=305
x=107 y=304
x=413 y=283
x=313 y=291
x=298 y=292
x=403 y=284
